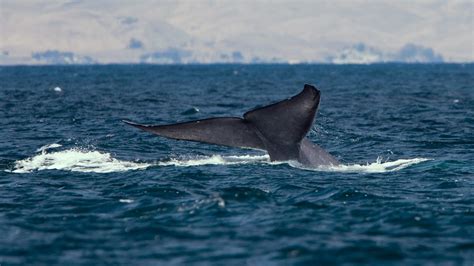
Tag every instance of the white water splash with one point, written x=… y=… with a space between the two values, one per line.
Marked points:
x=217 y=160
x=376 y=167
x=76 y=160
x=80 y=160
x=49 y=146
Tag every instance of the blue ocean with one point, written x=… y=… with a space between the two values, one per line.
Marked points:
x=80 y=187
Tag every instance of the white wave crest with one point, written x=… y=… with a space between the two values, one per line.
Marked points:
x=76 y=160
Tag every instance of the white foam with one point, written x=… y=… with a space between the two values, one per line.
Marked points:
x=216 y=160
x=57 y=89
x=49 y=146
x=126 y=200
x=376 y=167
x=80 y=160
x=76 y=160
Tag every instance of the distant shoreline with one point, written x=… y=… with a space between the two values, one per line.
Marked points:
x=237 y=64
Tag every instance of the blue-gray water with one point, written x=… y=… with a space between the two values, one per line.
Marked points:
x=77 y=186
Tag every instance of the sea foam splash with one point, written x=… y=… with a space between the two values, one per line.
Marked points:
x=76 y=160
x=217 y=160
x=376 y=167
x=80 y=160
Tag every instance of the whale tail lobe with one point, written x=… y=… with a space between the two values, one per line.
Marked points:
x=227 y=131
x=278 y=128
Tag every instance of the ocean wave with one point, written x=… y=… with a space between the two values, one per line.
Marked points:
x=83 y=160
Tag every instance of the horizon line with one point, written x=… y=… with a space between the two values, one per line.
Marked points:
x=243 y=64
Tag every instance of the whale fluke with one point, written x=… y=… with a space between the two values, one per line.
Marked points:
x=284 y=124
x=278 y=128
x=227 y=131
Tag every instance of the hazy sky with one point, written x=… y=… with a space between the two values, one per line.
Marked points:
x=234 y=31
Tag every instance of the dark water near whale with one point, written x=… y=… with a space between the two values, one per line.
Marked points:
x=77 y=186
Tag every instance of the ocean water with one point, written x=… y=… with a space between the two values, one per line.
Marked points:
x=77 y=186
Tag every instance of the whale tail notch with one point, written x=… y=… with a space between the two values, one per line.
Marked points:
x=284 y=124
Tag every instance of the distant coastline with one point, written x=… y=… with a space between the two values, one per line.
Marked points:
x=240 y=64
